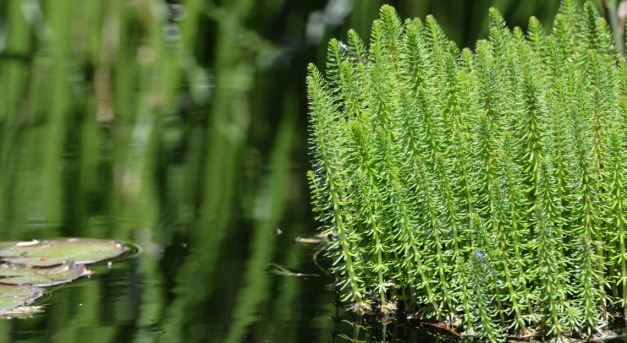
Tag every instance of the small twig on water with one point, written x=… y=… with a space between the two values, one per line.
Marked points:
x=278 y=269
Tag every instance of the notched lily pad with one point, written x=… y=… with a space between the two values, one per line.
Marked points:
x=45 y=263
x=6 y=244
x=20 y=312
x=21 y=274
x=55 y=252
x=14 y=297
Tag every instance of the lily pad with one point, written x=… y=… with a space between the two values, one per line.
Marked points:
x=21 y=274
x=55 y=252
x=20 y=312
x=14 y=296
x=6 y=244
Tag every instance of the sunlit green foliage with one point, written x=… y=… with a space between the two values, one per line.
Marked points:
x=481 y=185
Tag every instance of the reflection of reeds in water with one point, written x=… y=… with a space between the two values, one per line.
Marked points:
x=123 y=125
x=93 y=85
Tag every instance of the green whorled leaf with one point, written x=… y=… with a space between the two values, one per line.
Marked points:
x=14 y=297
x=20 y=274
x=515 y=149
x=55 y=252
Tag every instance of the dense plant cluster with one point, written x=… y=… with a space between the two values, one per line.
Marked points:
x=486 y=186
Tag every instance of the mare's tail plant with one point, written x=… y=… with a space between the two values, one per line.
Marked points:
x=484 y=187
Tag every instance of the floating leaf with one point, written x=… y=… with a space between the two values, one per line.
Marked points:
x=20 y=312
x=14 y=296
x=7 y=244
x=21 y=274
x=55 y=252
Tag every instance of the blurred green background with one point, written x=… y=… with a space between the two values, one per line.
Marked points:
x=181 y=126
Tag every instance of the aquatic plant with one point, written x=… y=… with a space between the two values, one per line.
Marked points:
x=484 y=186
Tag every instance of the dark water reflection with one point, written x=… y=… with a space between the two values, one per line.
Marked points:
x=202 y=272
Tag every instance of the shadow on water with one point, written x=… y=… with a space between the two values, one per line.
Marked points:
x=181 y=129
